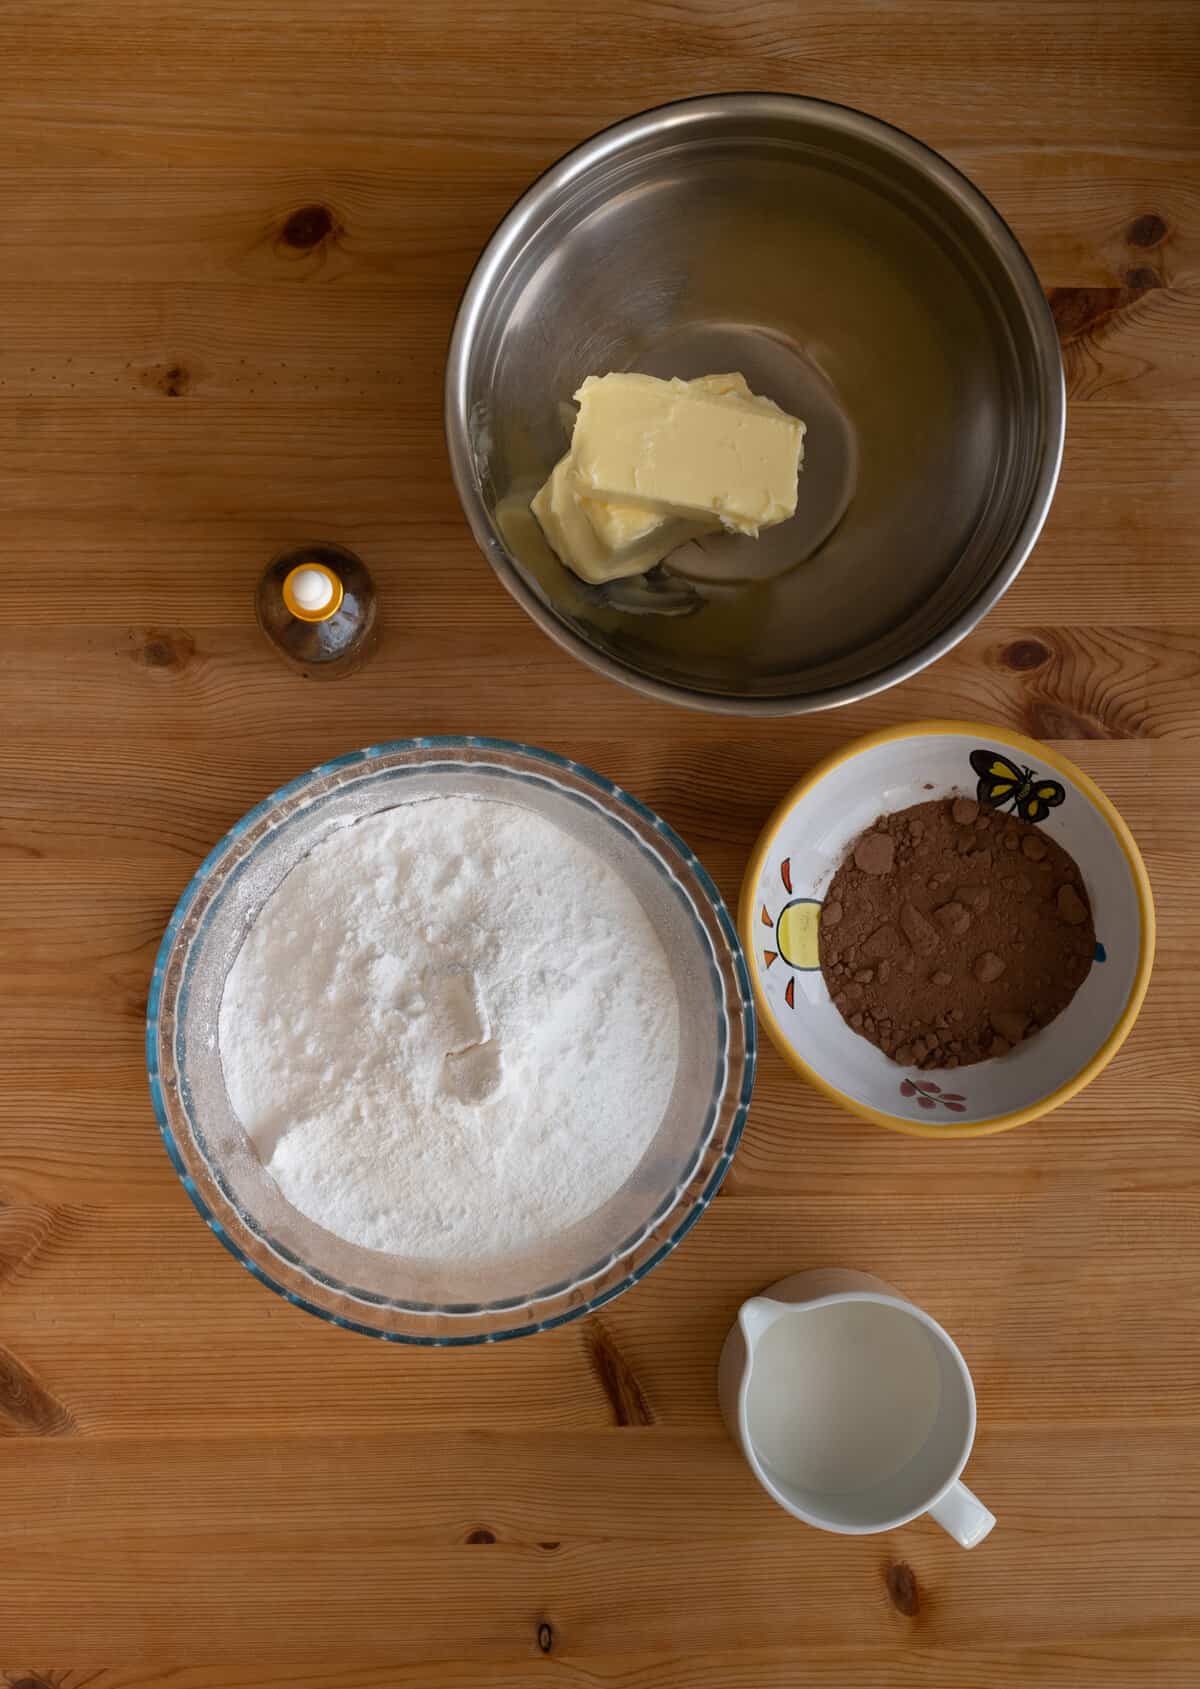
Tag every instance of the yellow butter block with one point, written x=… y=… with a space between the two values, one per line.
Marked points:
x=686 y=449
x=614 y=542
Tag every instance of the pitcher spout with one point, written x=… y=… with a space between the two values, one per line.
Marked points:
x=756 y=1315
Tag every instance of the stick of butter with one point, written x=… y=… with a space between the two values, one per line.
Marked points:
x=682 y=449
x=606 y=540
x=602 y=541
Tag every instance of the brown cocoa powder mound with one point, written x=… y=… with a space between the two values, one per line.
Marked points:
x=984 y=921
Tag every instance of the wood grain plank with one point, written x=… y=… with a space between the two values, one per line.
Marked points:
x=1083 y=572
x=320 y=71
x=96 y=455
x=904 y=1664
x=1120 y=545
x=337 y=1536
x=166 y=1305
x=244 y=278
x=1100 y=683
x=350 y=327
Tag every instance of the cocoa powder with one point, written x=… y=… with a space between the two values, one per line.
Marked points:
x=951 y=932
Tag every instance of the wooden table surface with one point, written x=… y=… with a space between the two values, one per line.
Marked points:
x=233 y=240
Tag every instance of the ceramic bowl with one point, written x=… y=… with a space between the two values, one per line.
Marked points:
x=796 y=857
x=555 y=1278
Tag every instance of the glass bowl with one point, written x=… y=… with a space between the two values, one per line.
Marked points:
x=564 y=1276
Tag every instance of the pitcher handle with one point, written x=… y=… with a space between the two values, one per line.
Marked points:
x=962 y=1513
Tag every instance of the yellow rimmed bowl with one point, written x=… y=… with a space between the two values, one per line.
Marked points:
x=794 y=861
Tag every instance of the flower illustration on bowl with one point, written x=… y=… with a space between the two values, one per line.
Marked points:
x=930 y=1095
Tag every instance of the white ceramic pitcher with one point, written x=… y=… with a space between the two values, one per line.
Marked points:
x=854 y=1409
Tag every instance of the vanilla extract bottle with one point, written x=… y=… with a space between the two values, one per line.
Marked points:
x=318 y=607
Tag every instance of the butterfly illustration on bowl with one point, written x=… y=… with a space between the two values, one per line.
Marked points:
x=1004 y=784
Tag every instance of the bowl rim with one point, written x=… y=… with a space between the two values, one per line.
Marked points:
x=743 y=1007
x=1035 y=748
x=515 y=223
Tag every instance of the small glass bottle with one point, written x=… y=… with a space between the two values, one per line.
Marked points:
x=317 y=606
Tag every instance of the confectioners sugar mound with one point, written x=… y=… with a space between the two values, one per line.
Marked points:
x=451 y=1031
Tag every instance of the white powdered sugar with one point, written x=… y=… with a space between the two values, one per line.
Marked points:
x=451 y=1031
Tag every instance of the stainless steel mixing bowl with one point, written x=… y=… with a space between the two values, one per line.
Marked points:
x=853 y=276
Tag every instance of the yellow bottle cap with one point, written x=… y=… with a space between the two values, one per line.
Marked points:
x=312 y=592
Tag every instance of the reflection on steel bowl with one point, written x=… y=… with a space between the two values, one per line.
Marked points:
x=851 y=275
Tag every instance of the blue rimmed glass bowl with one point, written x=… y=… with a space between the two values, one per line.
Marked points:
x=563 y=1276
